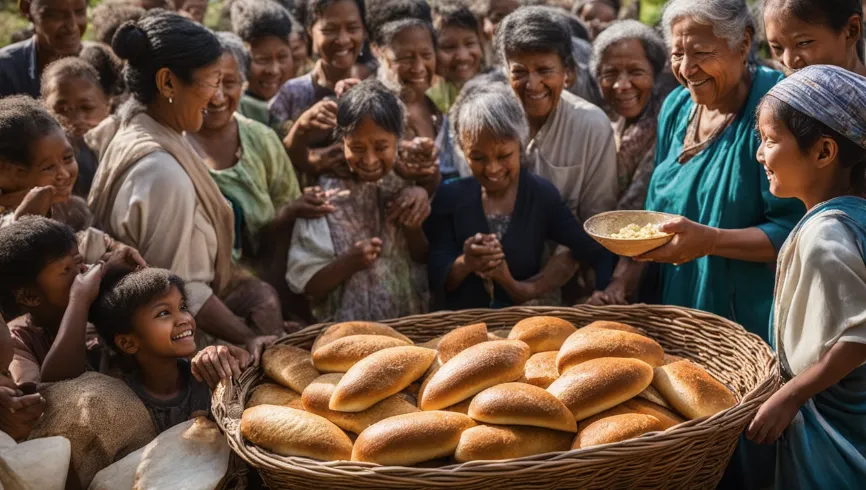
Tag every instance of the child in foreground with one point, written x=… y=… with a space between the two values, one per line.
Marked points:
x=143 y=315
x=813 y=134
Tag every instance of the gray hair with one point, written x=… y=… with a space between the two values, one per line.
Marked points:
x=627 y=30
x=485 y=105
x=232 y=44
x=730 y=18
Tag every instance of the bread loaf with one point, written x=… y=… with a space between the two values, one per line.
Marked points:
x=587 y=344
x=289 y=366
x=273 y=394
x=691 y=390
x=345 y=329
x=411 y=438
x=459 y=339
x=493 y=442
x=379 y=376
x=540 y=369
x=290 y=432
x=620 y=409
x=317 y=396
x=473 y=370
x=521 y=404
x=621 y=327
x=340 y=354
x=651 y=394
x=542 y=333
x=594 y=386
x=616 y=428
x=668 y=418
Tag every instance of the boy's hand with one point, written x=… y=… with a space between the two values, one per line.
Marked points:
x=218 y=362
x=774 y=416
x=85 y=288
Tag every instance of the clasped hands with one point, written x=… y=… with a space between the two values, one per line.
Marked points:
x=484 y=256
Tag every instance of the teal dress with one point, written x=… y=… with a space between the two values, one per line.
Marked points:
x=723 y=186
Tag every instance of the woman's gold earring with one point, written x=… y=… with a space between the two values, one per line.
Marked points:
x=170 y=100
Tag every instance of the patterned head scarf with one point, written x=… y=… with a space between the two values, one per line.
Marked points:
x=832 y=95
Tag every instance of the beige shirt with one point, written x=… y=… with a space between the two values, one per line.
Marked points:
x=820 y=292
x=576 y=151
x=157 y=212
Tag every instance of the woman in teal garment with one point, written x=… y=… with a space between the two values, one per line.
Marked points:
x=705 y=171
x=813 y=133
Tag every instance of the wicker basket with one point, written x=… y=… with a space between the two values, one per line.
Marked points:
x=693 y=455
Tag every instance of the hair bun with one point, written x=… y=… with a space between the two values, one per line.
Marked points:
x=130 y=42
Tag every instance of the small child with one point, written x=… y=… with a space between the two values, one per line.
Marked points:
x=72 y=92
x=816 y=32
x=362 y=261
x=143 y=315
x=813 y=148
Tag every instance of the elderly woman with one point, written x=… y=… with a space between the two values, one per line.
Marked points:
x=571 y=141
x=626 y=60
x=488 y=233
x=153 y=191
x=731 y=226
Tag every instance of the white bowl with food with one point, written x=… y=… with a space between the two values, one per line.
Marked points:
x=629 y=233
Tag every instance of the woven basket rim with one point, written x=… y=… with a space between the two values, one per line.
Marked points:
x=229 y=393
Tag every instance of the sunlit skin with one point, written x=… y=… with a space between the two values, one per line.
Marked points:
x=458 y=57
x=181 y=105
x=271 y=65
x=370 y=151
x=411 y=56
x=626 y=78
x=798 y=44
x=52 y=163
x=538 y=80
x=498 y=10
x=712 y=71
x=157 y=325
x=78 y=103
x=53 y=284
x=338 y=36
x=597 y=15
x=494 y=163
x=224 y=103
x=58 y=27
x=194 y=10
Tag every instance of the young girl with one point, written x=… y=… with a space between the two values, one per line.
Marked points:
x=813 y=32
x=71 y=90
x=458 y=57
x=813 y=134
x=362 y=261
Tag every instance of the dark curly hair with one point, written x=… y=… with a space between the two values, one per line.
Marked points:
x=253 y=20
x=109 y=16
x=23 y=120
x=162 y=39
x=107 y=65
x=383 y=12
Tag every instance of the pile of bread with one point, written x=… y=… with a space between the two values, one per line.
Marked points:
x=366 y=393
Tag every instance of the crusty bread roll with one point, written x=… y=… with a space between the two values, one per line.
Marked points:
x=616 y=428
x=651 y=394
x=290 y=432
x=345 y=329
x=289 y=366
x=586 y=344
x=668 y=418
x=462 y=407
x=620 y=409
x=521 y=404
x=274 y=394
x=411 y=438
x=459 y=339
x=317 y=396
x=340 y=354
x=493 y=442
x=691 y=390
x=379 y=376
x=622 y=327
x=594 y=386
x=473 y=370
x=542 y=333
x=540 y=369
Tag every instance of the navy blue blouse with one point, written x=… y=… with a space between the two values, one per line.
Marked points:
x=539 y=215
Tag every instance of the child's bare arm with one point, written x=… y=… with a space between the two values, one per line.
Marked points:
x=776 y=414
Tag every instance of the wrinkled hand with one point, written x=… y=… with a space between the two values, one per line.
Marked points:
x=482 y=253
x=411 y=208
x=691 y=241
x=255 y=346
x=85 y=287
x=318 y=121
x=37 y=202
x=313 y=204
x=774 y=416
x=345 y=85
x=419 y=160
x=218 y=362
x=19 y=412
x=329 y=159
x=615 y=294
x=365 y=252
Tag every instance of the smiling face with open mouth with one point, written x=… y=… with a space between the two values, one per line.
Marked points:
x=338 y=34
x=495 y=163
x=225 y=102
x=705 y=64
x=411 y=56
x=370 y=150
x=626 y=78
x=538 y=80
x=164 y=326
